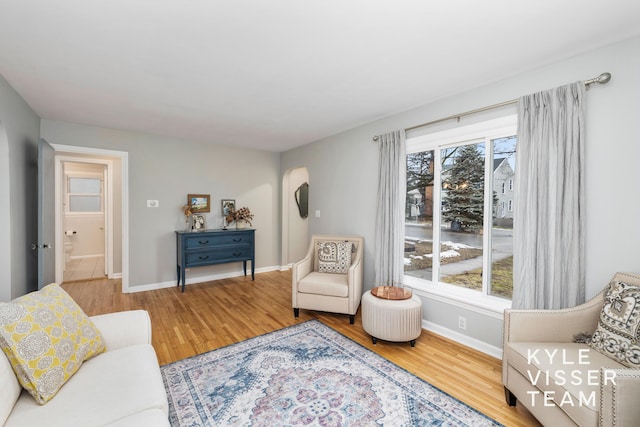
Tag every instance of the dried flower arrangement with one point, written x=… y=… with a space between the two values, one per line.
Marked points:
x=186 y=209
x=242 y=214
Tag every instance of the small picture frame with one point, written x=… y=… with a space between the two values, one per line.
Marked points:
x=226 y=205
x=199 y=202
x=198 y=222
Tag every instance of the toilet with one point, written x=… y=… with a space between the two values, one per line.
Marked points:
x=68 y=245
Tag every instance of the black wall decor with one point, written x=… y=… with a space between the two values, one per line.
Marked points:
x=302 y=199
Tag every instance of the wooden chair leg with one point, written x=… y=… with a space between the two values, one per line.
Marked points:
x=352 y=319
x=510 y=397
x=296 y=312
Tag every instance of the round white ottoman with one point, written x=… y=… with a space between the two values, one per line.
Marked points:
x=392 y=320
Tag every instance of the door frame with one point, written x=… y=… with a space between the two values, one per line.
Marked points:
x=107 y=177
x=123 y=156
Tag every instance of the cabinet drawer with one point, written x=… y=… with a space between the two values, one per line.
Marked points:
x=218 y=255
x=212 y=240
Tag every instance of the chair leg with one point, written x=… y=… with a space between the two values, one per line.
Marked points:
x=352 y=319
x=413 y=343
x=296 y=312
x=510 y=397
x=374 y=340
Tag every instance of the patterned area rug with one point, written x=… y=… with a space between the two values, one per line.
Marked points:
x=305 y=375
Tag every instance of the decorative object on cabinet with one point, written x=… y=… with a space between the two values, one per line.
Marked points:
x=198 y=222
x=199 y=202
x=240 y=216
x=186 y=209
x=227 y=205
x=211 y=247
x=302 y=199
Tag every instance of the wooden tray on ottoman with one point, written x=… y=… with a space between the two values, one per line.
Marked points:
x=391 y=292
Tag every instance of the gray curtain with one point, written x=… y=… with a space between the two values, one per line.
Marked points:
x=549 y=221
x=389 y=238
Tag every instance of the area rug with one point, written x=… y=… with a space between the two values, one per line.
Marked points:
x=305 y=375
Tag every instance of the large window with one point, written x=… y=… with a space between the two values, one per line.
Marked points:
x=459 y=209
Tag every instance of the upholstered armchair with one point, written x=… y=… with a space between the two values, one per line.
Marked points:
x=565 y=378
x=330 y=276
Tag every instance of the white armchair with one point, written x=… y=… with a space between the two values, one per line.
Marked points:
x=561 y=380
x=330 y=277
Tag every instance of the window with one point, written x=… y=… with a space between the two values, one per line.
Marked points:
x=459 y=221
x=84 y=195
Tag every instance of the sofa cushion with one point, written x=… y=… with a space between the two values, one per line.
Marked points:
x=333 y=256
x=46 y=337
x=618 y=332
x=10 y=388
x=107 y=389
x=324 y=284
x=149 y=417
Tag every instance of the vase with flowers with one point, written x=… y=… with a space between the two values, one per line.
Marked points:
x=186 y=209
x=241 y=216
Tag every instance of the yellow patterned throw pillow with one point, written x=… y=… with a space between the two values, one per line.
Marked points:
x=46 y=337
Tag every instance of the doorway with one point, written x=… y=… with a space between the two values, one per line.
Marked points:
x=85 y=207
x=116 y=205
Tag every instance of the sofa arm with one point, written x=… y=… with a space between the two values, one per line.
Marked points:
x=552 y=325
x=124 y=328
x=619 y=391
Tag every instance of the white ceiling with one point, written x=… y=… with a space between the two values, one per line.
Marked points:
x=276 y=74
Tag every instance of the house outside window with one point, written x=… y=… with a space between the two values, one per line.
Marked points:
x=459 y=223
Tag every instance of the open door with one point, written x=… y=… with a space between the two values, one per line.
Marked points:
x=46 y=214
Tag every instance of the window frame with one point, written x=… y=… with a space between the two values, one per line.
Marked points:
x=470 y=134
x=68 y=194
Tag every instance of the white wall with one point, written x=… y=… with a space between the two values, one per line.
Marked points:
x=18 y=219
x=167 y=169
x=343 y=169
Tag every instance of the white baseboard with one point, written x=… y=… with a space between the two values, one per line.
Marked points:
x=474 y=343
x=199 y=279
x=86 y=256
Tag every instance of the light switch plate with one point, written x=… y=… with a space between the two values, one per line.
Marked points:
x=317 y=214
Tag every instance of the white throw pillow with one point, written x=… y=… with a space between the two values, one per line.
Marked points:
x=618 y=333
x=334 y=257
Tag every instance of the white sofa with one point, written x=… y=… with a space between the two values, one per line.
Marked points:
x=562 y=382
x=120 y=387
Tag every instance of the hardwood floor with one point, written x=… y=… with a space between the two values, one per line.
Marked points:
x=215 y=314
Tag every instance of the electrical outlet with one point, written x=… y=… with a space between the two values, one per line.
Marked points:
x=462 y=322
x=153 y=203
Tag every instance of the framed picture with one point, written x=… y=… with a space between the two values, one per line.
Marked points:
x=199 y=202
x=198 y=222
x=227 y=205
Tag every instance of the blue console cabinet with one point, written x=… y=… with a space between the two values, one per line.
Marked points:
x=209 y=247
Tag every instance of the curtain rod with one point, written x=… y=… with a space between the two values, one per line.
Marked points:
x=602 y=79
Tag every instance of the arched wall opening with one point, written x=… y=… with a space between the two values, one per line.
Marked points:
x=295 y=228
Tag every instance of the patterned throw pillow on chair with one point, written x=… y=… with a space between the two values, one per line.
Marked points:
x=334 y=257
x=618 y=333
x=46 y=337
